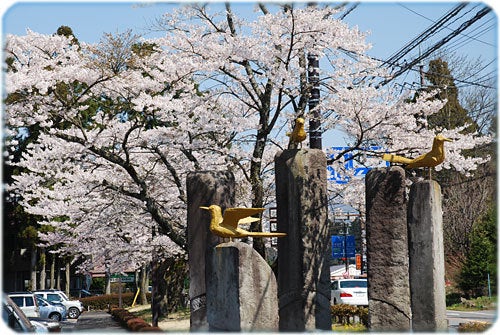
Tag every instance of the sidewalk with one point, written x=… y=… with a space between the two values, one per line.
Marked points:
x=97 y=321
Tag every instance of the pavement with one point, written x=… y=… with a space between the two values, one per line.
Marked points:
x=97 y=321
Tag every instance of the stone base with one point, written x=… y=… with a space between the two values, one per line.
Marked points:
x=241 y=290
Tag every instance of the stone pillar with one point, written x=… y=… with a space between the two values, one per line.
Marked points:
x=204 y=188
x=303 y=255
x=241 y=290
x=387 y=250
x=425 y=225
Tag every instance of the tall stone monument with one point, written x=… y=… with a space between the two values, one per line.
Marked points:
x=426 y=252
x=203 y=189
x=387 y=250
x=303 y=255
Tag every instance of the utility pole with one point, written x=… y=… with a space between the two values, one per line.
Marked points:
x=314 y=113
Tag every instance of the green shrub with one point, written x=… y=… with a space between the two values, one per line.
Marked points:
x=453 y=298
x=345 y=314
x=105 y=302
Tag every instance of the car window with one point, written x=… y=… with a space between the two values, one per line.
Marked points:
x=29 y=301
x=53 y=297
x=335 y=285
x=353 y=283
x=18 y=301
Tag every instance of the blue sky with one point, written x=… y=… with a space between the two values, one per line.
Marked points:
x=391 y=24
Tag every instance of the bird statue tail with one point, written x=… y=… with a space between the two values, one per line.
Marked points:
x=264 y=234
x=396 y=159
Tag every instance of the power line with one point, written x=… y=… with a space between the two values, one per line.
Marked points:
x=426 y=34
x=436 y=46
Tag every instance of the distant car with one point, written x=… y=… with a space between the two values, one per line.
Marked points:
x=350 y=291
x=14 y=317
x=50 y=310
x=26 y=302
x=73 y=307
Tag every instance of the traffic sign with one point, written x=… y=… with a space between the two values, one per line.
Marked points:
x=343 y=246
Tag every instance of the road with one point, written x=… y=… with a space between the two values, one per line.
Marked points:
x=101 y=320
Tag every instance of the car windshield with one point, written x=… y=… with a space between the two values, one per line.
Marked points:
x=353 y=283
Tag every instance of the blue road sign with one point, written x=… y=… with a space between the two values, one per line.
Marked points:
x=359 y=171
x=343 y=246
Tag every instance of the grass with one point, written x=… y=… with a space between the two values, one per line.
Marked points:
x=479 y=303
x=356 y=327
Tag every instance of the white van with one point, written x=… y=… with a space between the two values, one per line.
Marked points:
x=26 y=302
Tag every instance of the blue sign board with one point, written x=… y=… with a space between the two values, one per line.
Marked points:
x=343 y=246
x=348 y=157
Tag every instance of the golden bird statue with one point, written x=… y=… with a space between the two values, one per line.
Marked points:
x=427 y=160
x=298 y=134
x=227 y=225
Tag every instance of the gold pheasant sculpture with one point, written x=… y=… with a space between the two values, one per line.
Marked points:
x=429 y=159
x=298 y=134
x=227 y=225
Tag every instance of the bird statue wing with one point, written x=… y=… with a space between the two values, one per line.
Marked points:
x=233 y=216
x=396 y=159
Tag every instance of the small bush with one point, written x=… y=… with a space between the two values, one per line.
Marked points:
x=452 y=298
x=130 y=321
x=345 y=314
x=473 y=327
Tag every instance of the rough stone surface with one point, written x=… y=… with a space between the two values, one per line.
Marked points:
x=241 y=290
x=387 y=250
x=204 y=188
x=426 y=251
x=303 y=255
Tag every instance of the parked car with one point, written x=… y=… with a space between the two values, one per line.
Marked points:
x=26 y=302
x=14 y=317
x=50 y=310
x=73 y=307
x=350 y=291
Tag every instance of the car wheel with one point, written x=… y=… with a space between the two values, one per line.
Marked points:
x=55 y=316
x=73 y=313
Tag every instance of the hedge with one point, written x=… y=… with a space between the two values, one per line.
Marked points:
x=105 y=302
x=130 y=321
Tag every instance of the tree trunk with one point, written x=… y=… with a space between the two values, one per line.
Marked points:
x=143 y=284
x=68 y=276
x=159 y=299
x=43 y=267
x=33 y=269
x=58 y=275
x=108 y=282
x=52 y=271
x=258 y=188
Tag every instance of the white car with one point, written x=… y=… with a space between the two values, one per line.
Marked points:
x=73 y=307
x=26 y=302
x=350 y=291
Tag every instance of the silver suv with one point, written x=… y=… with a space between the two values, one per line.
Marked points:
x=73 y=307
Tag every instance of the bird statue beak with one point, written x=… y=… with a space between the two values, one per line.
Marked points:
x=203 y=207
x=447 y=139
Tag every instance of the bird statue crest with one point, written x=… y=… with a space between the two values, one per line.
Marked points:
x=227 y=225
x=427 y=160
x=298 y=134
